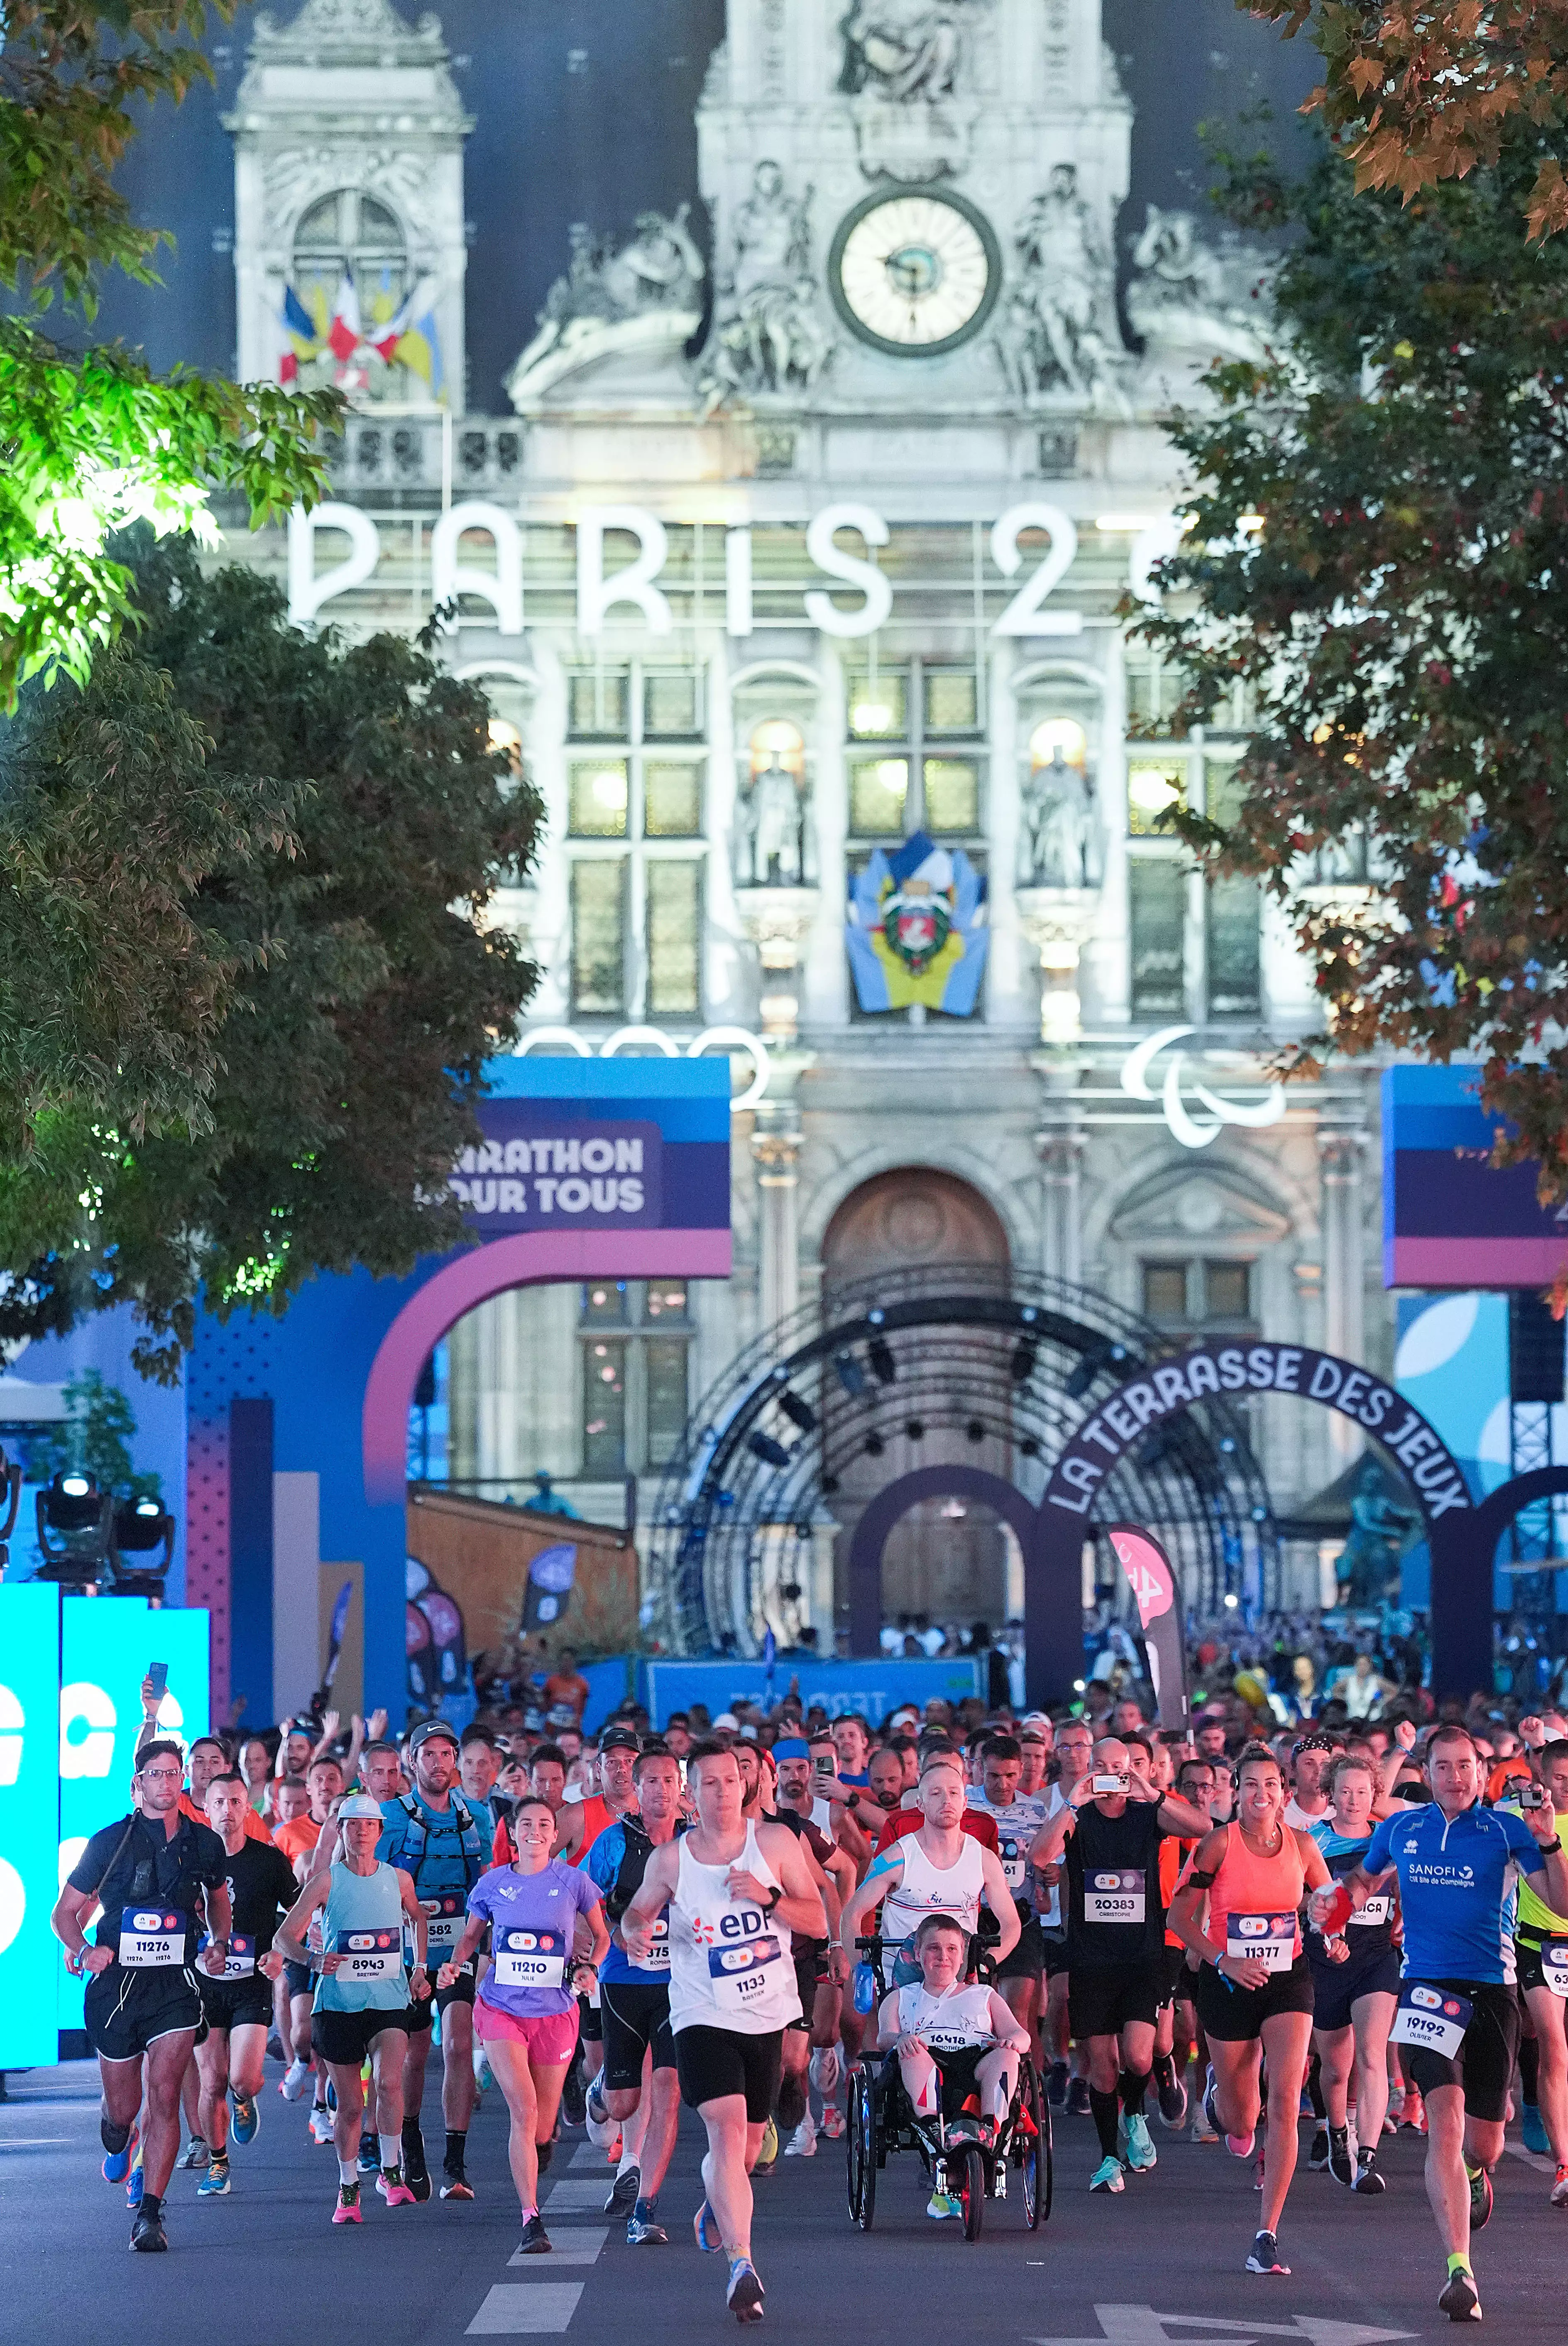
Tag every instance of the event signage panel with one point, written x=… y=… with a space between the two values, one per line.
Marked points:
x=1450 y=1218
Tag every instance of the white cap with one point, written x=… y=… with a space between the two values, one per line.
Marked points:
x=359 y=1808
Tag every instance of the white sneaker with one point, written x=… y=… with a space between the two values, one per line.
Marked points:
x=802 y=2142
x=321 y=2127
x=825 y=2069
x=292 y=2084
x=482 y=2077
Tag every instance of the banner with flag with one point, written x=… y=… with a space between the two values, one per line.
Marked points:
x=916 y=929
x=298 y=337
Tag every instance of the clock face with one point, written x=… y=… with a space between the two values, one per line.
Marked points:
x=915 y=273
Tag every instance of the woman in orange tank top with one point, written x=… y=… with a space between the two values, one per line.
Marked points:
x=1254 y=1987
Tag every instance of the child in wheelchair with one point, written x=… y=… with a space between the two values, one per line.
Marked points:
x=957 y=2046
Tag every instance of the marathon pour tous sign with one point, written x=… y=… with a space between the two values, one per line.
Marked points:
x=537 y=1169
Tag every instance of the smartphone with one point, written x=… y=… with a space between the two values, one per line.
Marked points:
x=825 y=1764
x=157 y=1676
x=1532 y=1795
x=1110 y=1785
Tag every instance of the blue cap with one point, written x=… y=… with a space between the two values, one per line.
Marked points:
x=792 y=1746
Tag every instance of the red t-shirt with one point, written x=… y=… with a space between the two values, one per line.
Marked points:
x=976 y=1824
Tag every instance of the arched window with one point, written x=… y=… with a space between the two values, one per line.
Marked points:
x=349 y=234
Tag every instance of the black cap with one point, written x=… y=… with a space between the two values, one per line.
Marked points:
x=428 y=1728
x=620 y=1738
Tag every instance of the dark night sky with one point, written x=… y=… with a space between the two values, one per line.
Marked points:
x=584 y=111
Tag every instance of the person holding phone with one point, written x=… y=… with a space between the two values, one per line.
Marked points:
x=1108 y=1832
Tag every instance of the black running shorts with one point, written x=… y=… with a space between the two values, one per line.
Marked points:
x=1483 y=2066
x=344 y=2038
x=127 y=2012
x=715 y=2063
x=1234 y=2015
x=635 y=2016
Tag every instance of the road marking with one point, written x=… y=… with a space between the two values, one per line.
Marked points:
x=525 y=2309
x=32 y=2141
x=588 y=2154
x=569 y=2197
x=1140 y=2325
x=576 y=2248
x=1530 y=2158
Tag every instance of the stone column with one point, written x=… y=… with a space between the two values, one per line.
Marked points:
x=1059 y=1143
x=1340 y=1148
x=776 y=921
x=1059 y=922
x=775 y=1151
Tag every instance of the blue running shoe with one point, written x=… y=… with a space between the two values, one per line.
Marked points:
x=134 y=2181
x=706 y=2231
x=1536 y=2137
x=246 y=2119
x=117 y=2163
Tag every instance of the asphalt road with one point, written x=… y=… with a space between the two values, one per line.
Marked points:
x=1162 y=2262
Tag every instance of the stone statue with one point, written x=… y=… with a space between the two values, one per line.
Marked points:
x=917 y=60
x=1058 y=332
x=1370 y=1556
x=767 y=334
x=1059 y=842
x=772 y=835
x=1183 y=292
x=646 y=298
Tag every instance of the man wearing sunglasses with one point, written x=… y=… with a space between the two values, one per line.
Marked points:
x=1310 y=1760
x=156 y=1874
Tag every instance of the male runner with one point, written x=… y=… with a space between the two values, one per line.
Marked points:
x=736 y=1891
x=1542 y=1935
x=297 y=1838
x=434 y=1837
x=153 y=1874
x=1018 y=1817
x=1456 y=1865
x=820 y=1970
x=1067 y=2079
x=361 y=2001
x=634 y=2000
x=1111 y=1826
x=582 y=1823
x=237 y=2006
x=940 y=1868
x=1311 y=1758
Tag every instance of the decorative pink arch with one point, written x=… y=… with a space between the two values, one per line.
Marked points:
x=527 y=1261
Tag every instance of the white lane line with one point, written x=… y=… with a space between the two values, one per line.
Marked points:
x=525 y=2309
x=1530 y=2158
x=588 y=2154
x=571 y=2197
x=32 y=2141
x=578 y=2247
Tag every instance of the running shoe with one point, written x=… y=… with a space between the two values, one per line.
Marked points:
x=1057 y=2085
x=535 y=2241
x=1341 y=2162
x=393 y=2190
x=1318 y=2157
x=482 y=2076
x=1264 y=2256
x=369 y=2161
x=939 y=2207
x=802 y=2142
x=193 y=2159
x=602 y=2127
x=320 y=2125
x=136 y=2181
x=624 y=2192
x=1138 y=2151
x=1459 y=2299
x=701 y=2225
x=118 y=2163
x=642 y=2232
x=214 y=2184
x=1536 y=2137
x=1414 y=2113
x=294 y=2081
x=1368 y=2177
x=1480 y=2198
x=1173 y=2102
x=1108 y=2176
x=824 y=2069
x=348 y=2209
x=1078 y=2098
x=415 y=2177
x=744 y=2295
x=1201 y=2130
x=832 y=2124
x=247 y=2119
x=1238 y=2145
x=573 y=2096
x=147 y=2234
x=454 y=2183
x=768 y=2156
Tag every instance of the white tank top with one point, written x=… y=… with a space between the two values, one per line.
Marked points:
x=822 y=1818
x=927 y=1889
x=946 y=2022
x=729 y=1964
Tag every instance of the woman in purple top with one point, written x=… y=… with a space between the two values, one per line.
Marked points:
x=525 y=2014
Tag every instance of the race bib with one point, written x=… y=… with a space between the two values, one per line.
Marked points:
x=1013 y=1852
x=444 y=1920
x=1376 y=1910
x=369 y=1955
x=1431 y=2017
x=242 y=1959
x=1554 y=1967
x=152 y=1938
x=740 y=1971
x=1114 y=1895
x=523 y=1958
x=658 y=1956
x=1268 y=1939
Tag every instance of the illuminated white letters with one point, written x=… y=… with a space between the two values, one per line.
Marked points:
x=596 y=594
x=1023 y=615
x=308 y=590
x=873 y=584
x=502 y=588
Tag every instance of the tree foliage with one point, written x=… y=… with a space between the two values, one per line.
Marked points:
x=1425 y=90
x=304 y=838
x=1401 y=617
x=96 y=1439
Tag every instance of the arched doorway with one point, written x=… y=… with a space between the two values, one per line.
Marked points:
x=945 y=1557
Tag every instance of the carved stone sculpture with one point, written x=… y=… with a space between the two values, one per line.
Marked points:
x=646 y=296
x=767 y=334
x=772 y=834
x=904 y=61
x=1058 y=333
x=1183 y=292
x=1059 y=840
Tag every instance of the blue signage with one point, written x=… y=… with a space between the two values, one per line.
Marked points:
x=29 y=1755
x=538 y=1169
x=872 y=1687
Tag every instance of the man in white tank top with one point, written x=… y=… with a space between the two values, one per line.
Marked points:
x=735 y=1891
x=936 y=1869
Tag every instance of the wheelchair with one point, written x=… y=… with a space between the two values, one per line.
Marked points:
x=952 y=2151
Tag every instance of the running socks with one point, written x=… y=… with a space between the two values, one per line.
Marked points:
x=1105 y=2109
x=348 y=2172
x=1458 y=2263
x=1133 y=2089
x=113 y=2137
x=1164 y=2073
x=456 y=2145
x=392 y=2150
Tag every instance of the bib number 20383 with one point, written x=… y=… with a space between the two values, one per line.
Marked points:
x=1114 y=1895
x=1267 y=1939
x=369 y=1955
x=529 y=1958
x=1433 y=2018
x=152 y=1938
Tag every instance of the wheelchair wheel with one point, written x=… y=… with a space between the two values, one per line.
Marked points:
x=860 y=2150
x=1033 y=2149
x=971 y=2192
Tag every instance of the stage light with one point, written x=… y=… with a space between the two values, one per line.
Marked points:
x=880 y=1355
x=139 y=1528
x=798 y=1413
x=875 y=1445
x=915 y=1428
x=1231 y=1600
x=771 y=1453
x=1029 y=1447
x=851 y=1376
x=1024 y=1360
x=975 y=1430
x=73 y=1525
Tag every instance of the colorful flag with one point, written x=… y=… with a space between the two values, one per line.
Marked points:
x=344 y=333
x=916 y=930
x=297 y=318
x=296 y=336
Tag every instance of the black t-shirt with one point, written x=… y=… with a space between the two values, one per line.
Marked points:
x=261 y=1883
x=805 y=1829
x=144 y=1866
x=1115 y=1913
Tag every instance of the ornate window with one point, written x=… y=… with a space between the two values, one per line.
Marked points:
x=351 y=235
x=635 y=1340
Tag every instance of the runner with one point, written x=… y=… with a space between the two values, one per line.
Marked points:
x=1018 y=1817
x=736 y=1891
x=940 y=1868
x=1255 y=1984
x=1312 y=1759
x=1111 y=1826
x=638 y=2077
x=951 y=2041
x=154 y=1873
x=237 y=2006
x=820 y=1969
x=525 y=2013
x=435 y=1837
x=362 y=2006
x=1195 y=1785
x=581 y=1823
x=1354 y=2002
x=1543 y=1978
x=297 y=1838
x=1456 y=1863
x=1067 y=2079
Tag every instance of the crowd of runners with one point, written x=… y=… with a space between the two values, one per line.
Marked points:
x=1367 y=1927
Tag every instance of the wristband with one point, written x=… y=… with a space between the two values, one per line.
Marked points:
x=770 y=1903
x=1549 y=1848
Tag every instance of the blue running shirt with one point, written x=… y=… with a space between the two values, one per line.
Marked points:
x=1456 y=1877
